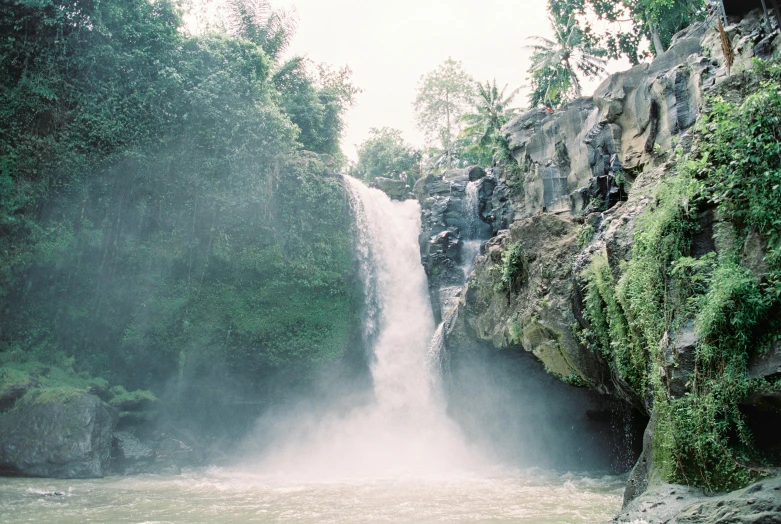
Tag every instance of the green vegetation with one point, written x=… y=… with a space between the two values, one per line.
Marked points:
x=604 y=24
x=481 y=141
x=165 y=207
x=513 y=269
x=555 y=64
x=702 y=436
x=585 y=235
x=444 y=96
x=385 y=154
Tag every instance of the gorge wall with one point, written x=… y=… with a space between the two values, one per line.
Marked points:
x=564 y=226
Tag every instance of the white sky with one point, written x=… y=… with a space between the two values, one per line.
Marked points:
x=390 y=44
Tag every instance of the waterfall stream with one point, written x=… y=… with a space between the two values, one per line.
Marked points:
x=404 y=431
x=400 y=322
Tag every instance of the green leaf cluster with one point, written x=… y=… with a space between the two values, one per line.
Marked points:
x=164 y=205
x=386 y=154
x=625 y=28
x=556 y=64
x=734 y=168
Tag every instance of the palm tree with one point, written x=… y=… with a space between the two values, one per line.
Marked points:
x=482 y=127
x=556 y=64
x=257 y=21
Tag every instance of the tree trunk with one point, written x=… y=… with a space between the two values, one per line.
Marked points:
x=447 y=135
x=656 y=40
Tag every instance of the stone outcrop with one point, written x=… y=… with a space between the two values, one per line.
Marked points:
x=66 y=436
x=396 y=189
x=584 y=175
x=159 y=452
x=580 y=157
x=595 y=162
x=533 y=311
x=759 y=503
x=448 y=222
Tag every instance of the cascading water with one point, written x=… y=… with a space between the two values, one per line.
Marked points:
x=399 y=318
x=404 y=431
x=470 y=248
x=472 y=241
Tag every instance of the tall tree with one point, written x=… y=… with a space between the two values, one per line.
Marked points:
x=444 y=95
x=315 y=98
x=627 y=23
x=556 y=63
x=255 y=20
x=386 y=154
x=482 y=132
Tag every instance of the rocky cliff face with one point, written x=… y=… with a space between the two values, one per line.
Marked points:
x=457 y=214
x=587 y=172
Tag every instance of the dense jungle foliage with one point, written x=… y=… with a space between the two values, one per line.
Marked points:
x=166 y=206
x=730 y=296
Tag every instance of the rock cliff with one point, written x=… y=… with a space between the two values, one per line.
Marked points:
x=586 y=174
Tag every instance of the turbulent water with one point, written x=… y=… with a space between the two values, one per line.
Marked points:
x=219 y=496
x=397 y=458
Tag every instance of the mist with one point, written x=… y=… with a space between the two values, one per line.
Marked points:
x=426 y=413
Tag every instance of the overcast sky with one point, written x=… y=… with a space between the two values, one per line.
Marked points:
x=390 y=44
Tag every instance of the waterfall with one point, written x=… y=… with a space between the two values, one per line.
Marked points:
x=471 y=238
x=405 y=431
x=472 y=209
x=399 y=319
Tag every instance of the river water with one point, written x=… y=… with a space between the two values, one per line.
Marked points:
x=398 y=458
x=217 y=495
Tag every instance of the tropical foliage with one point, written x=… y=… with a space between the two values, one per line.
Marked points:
x=624 y=27
x=481 y=140
x=556 y=64
x=386 y=154
x=444 y=95
x=164 y=213
x=704 y=437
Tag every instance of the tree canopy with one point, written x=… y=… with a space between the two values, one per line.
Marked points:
x=626 y=24
x=556 y=64
x=481 y=138
x=164 y=211
x=444 y=95
x=386 y=154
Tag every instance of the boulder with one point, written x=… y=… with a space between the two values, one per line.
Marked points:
x=158 y=452
x=396 y=189
x=759 y=503
x=57 y=434
x=130 y=455
x=475 y=173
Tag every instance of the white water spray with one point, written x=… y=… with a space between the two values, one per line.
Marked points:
x=405 y=431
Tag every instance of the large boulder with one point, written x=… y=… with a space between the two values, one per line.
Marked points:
x=158 y=452
x=532 y=310
x=57 y=434
x=759 y=503
x=396 y=189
